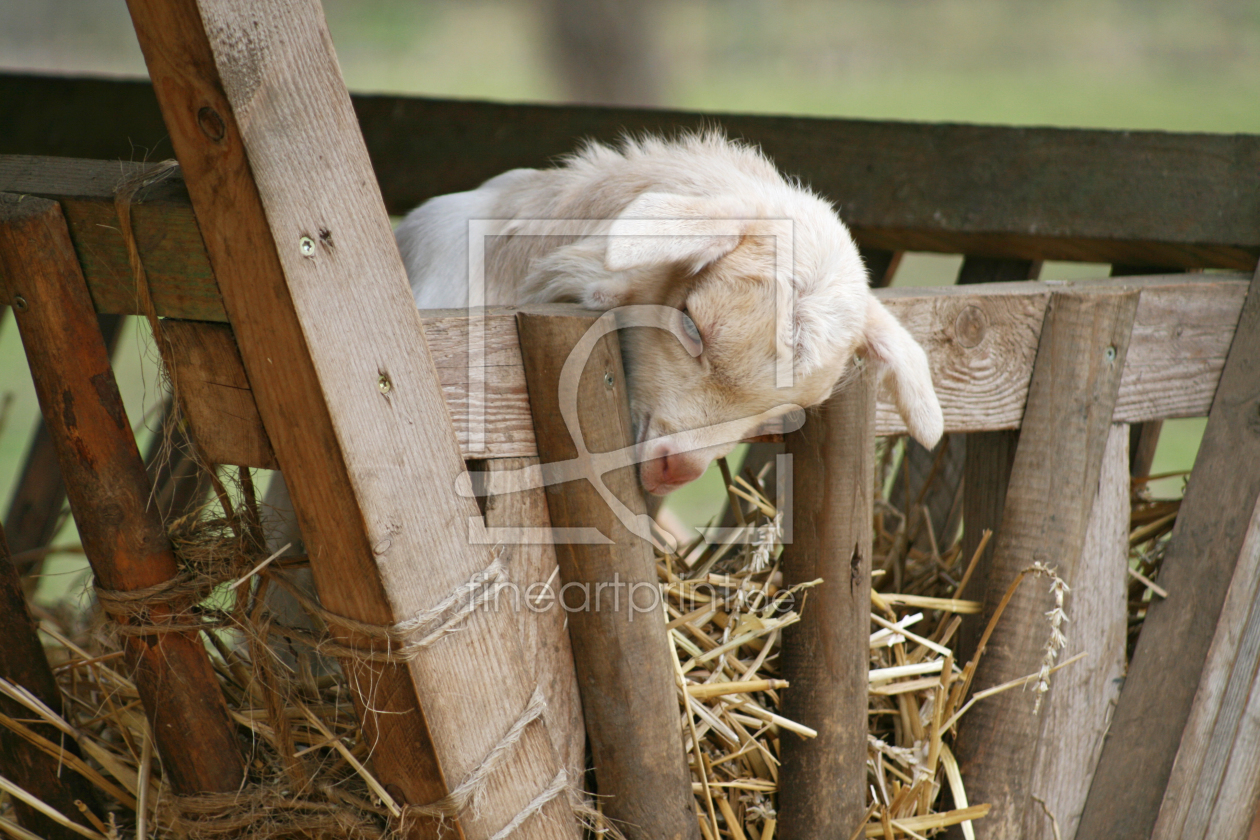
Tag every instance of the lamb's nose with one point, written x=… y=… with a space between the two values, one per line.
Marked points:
x=666 y=470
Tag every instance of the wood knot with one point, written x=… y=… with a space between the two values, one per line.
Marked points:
x=211 y=124
x=970 y=327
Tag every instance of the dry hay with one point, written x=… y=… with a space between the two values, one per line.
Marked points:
x=309 y=765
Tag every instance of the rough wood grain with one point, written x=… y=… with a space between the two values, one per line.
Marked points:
x=1143 y=437
x=109 y=490
x=535 y=600
x=22 y=662
x=1054 y=481
x=210 y=382
x=1199 y=562
x=1216 y=776
x=825 y=656
x=1076 y=713
x=626 y=676
x=944 y=464
x=39 y=493
x=1144 y=197
x=299 y=241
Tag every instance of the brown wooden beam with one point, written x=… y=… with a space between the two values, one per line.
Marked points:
x=22 y=662
x=1201 y=559
x=822 y=787
x=1033 y=193
x=1054 y=481
x=336 y=357
x=39 y=493
x=620 y=645
x=109 y=490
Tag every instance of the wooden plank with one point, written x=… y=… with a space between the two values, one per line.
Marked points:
x=1032 y=193
x=622 y=656
x=1199 y=563
x=1076 y=713
x=22 y=662
x=36 y=506
x=109 y=490
x=296 y=231
x=210 y=383
x=822 y=786
x=1216 y=776
x=544 y=630
x=1054 y=482
x=165 y=229
x=944 y=466
x=980 y=341
x=1144 y=437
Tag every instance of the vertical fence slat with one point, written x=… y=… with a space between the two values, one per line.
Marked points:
x=544 y=634
x=1054 y=480
x=622 y=658
x=1200 y=560
x=109 y=490
x=1076 y=712
x=822 y=787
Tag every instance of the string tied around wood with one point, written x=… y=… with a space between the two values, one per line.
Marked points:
x=406 y=639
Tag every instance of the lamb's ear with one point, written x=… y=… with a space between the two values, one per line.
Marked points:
x=906 y=366
x=668 y=229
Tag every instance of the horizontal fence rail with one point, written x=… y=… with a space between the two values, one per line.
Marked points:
x=981 y=339
x=1133 y=197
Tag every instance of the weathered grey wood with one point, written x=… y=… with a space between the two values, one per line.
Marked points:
x=296 y=231
x=1054 y=480
x=822 y=786
x=624 y=669
x=535 y=600
x=1075 y=715
x=1143 y=437
x=944 y=464
x=1216 y=776
x=109 y=491
x=1032 y=193
x=1199 y=563
x=23 y=663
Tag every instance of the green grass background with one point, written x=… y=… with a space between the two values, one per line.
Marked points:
x=1120 y=64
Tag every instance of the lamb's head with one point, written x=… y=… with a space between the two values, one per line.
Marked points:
x=752 y=281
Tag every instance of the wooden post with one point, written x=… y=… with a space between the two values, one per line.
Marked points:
x=22 y=662
x=1075 y=714
x=1143 y=437
x=35 y=508
x=109 y=489
x=299 y=241
x=544 y=630
x=946 y=469
x=1170 y=663
x=624 y=668
x=822 y=786
x=1054 y=481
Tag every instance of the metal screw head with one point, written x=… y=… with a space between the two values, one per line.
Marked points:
x=307 y=246
x=608 y=379
x=1110 y=353
x=19 y=303
x=384 y=384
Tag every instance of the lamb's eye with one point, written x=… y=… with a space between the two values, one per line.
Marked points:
x=693 y=332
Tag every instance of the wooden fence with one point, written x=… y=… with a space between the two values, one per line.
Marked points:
x=1043 y=379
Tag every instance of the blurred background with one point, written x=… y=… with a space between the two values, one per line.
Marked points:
x=1117 y=64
